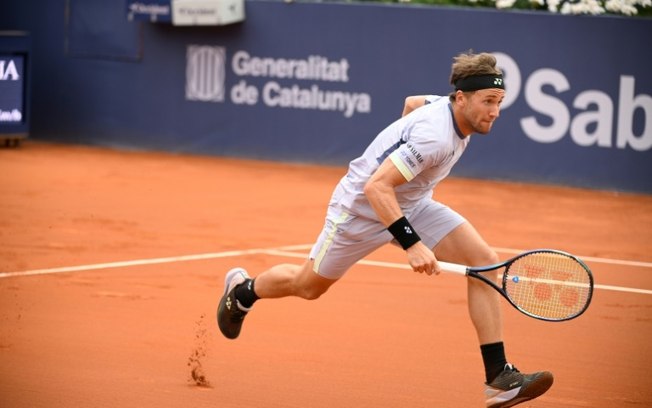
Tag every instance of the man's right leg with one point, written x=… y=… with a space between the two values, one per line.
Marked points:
x=465 y=246
x=505 y=386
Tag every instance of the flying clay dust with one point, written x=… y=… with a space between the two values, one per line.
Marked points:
x=197 y=376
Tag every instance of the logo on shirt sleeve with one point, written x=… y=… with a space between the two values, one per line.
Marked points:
x=414 y=152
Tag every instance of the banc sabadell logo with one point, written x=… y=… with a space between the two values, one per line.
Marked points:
x=595 y=118
x=603 y=121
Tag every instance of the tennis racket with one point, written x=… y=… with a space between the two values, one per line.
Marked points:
x=545 y=284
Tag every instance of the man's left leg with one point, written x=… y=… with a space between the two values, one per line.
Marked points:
x=241 y=291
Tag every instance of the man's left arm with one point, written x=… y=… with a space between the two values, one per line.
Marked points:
x=413 y=102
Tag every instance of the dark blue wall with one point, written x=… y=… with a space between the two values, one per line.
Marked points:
x=579 y=110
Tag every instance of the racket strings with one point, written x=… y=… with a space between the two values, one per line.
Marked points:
x=551 y=286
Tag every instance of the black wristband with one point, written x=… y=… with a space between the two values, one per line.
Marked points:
x=404 y=233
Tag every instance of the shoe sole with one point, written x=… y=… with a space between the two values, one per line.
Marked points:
x=227 y=280
x=225 y=332
x=533 y=390
x=222 y=305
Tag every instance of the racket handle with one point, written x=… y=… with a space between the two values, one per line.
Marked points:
x=453 y=268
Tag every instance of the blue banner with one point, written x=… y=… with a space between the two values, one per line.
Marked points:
x=315 y=82
x=12 y=82
x=15 y=84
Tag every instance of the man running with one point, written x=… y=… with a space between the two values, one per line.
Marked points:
x=386 y=197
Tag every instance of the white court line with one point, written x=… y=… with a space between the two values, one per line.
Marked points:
x=586 y=258
x=285 y=251
x=137 y=262
x=513 y=251
x=405 y=266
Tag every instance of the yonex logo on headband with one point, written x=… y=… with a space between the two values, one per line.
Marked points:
x=477 y=82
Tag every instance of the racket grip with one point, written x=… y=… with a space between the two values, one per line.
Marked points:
x=453 y=268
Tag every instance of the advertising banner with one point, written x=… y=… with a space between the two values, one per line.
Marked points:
x=207 y=12
x=15 y=84
x=11 y=89
x=288 y=85
x=155 y=11
x=316 y=82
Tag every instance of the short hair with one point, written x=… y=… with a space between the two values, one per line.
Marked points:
x=470 y=64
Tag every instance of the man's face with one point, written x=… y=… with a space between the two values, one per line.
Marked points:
x=482 y=108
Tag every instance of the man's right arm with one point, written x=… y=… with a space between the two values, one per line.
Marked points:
x=380 y=191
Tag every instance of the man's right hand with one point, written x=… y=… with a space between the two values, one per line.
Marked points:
x=422 y=259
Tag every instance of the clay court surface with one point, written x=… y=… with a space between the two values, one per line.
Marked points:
x=112 y=264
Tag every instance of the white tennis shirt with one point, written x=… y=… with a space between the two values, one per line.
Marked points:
x=423 y=145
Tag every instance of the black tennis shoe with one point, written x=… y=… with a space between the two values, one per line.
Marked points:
x=230 y=313
x=511 y=387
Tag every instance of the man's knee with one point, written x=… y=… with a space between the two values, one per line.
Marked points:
x=491 y=258
x=310 y=285
x=311 y=292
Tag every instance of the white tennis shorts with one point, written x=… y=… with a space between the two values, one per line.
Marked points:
x=347 y=238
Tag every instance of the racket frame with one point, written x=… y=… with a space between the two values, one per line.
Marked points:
x=475 y=272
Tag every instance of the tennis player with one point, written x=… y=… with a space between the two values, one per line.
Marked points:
x=386 y=197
